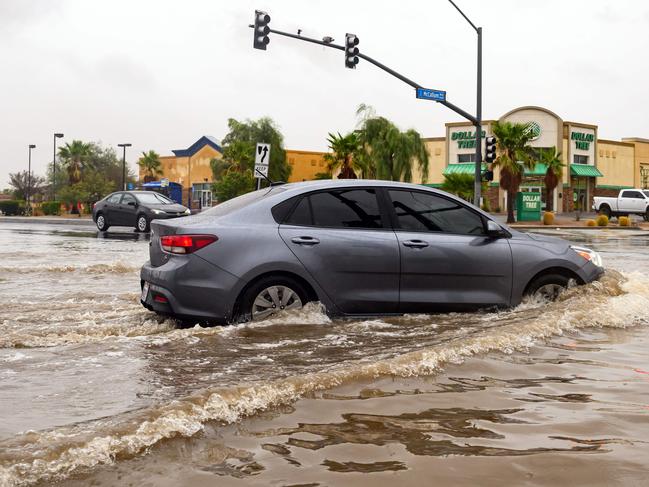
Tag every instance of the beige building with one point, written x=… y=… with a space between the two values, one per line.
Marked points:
x=592 y=166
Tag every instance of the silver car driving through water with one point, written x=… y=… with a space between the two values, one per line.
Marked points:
x=358 y=247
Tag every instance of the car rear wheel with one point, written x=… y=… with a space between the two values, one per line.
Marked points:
x=142 y=223
x=605 y=210
x=646 y=215
x=102 y=223
x=548 y=287
x=269 y=296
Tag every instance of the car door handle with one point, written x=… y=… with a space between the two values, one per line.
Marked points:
x=305 y=240
x=417 y=244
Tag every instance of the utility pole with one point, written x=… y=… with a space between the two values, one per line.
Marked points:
x=478 y=117
x=124 y=146
x=352 y=53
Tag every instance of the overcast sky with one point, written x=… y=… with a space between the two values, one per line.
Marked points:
x=161 y=73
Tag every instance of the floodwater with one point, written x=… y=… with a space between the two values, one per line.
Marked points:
x=96 y=390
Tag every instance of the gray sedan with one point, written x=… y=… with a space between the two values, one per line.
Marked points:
x=358 y=247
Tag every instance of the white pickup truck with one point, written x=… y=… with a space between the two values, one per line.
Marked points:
x=628 y=202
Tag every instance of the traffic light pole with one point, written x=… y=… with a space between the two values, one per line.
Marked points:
x=478 y=127
x=382 y=66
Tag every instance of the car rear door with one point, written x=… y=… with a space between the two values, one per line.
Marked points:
x=346 y=244
x=447 y=260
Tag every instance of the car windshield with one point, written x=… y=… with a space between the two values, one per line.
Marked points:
x=646 y=193
x=153 y=199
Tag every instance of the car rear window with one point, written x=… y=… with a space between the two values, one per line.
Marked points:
x=242 y=201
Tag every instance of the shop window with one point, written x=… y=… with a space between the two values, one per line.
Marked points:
x=438 y=151
x=313 y=162
x=614 y=154
x=580 y=159
x=464 y=158
x=608 y=153
x=291 y=161
x=601 y=153
x=321 y=164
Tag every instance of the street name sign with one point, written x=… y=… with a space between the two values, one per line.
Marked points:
x=428 y=94
x=262 y=157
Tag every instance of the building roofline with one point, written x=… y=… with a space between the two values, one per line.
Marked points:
x=459 y=124
x=198 y=145
x=579 y=124
x=430 y=139
x=635 y=139
x=615 y=142
x=531 y=107
x=305 y=151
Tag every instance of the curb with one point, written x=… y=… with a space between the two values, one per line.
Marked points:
x=48 y=221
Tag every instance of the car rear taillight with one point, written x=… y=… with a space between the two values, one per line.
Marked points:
x=185 y=244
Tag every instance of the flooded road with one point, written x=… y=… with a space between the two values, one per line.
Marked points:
x=94 y=389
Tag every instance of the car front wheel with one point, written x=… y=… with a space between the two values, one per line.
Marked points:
x=142 y=223
x=102 y=223
x=269 y=296
x=548 y=287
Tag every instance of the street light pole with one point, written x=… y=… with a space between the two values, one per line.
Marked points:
x=56 y=136
x=124 y=146
x=478 y=118
x=29 y=177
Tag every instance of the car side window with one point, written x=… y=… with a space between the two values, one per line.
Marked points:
x=114 y=199
x=340 y=208
x=631 y=194
x=425 y=212
x=127 y=199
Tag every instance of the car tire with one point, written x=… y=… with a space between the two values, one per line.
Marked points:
x=548 y=286
x=142 y=223
x=102 y=222
x=268 y=296
x=646 y=215
x=605 y=210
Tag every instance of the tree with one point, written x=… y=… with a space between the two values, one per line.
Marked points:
x=21 y=184
x=515 y=155
x=240 y=142
x=459 y=184
x=75 y=157
x=389 y=153
x=150 y=163
x=552 y=159
x=345 y=155
x=233 y=184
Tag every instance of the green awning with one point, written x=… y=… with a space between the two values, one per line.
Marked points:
x=462 y=168
x=539 y=170
x=585 y=170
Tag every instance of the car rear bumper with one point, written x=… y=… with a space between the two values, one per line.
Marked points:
x=189 y=287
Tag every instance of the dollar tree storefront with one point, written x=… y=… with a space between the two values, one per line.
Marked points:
x=591 y=166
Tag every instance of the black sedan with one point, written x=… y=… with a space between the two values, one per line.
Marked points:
x=135 y=209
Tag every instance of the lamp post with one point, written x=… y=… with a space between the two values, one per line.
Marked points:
x=28 y=197
x=56 y=136
x=478 y=109
x=124 y=146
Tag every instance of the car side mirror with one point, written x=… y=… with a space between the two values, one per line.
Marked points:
x=496 y=231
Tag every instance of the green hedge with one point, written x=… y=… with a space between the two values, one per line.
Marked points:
x=11 y=207
x=51 y=207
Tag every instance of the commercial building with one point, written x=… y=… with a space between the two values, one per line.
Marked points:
x=592 y=166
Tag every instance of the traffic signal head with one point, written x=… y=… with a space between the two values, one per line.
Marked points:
x=490 y=150
x=488 y=175
x=351 y=51
x=261 y=30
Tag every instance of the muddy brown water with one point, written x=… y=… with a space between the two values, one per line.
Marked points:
x=95 y=390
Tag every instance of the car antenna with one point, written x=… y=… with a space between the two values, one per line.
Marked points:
x=272 y=183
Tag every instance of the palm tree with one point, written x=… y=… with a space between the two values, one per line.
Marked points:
x=345 y=155
x=515 y=155
x=150 y=163
x=389 y=153
x=459 y=184
x=552 y=159
x=75 y=156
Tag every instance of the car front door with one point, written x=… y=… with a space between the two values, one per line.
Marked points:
x=447 y=260
x=127 y=208
x=346 y=244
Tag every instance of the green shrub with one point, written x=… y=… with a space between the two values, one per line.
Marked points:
x=11 y=207
x=51 y=207
x=624 y=221
x=602 y=220
x=591 y=223
x=548 y=218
